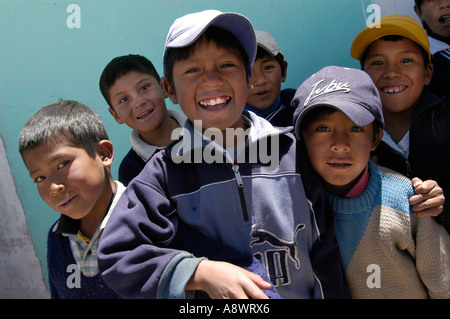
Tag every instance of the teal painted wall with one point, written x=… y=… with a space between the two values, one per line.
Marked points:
x=42 y=60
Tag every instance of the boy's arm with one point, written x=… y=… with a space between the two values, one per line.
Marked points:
x=433 y=257
x=428 y=200
x=133 y=250
x=191 y=240
x=222 y=280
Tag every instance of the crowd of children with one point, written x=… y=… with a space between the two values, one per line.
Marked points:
x=356 y=176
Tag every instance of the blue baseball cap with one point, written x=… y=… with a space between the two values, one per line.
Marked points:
x=188 y=29
x=348 y=90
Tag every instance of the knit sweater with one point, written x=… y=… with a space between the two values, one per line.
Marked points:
x=386 y=251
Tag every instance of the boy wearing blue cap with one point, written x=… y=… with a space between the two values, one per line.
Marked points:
x=219 y=179
x=387 y=252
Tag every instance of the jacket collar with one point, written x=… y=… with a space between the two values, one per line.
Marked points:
x=146 y=151
x=192 y=139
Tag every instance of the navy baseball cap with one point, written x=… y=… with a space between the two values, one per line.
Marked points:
x=188 y=29
x=348 y=90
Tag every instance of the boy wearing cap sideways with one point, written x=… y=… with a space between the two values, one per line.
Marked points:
x=435 y=17
x=387 y=252
x=416 y=140
x=212 y=180
x=269 y=71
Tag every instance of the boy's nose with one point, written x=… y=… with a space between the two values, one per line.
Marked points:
x=444 y=4
x=212 y=79
x=340 y=143
x=56 y=188
x=138 y=100
x=392 y=71
x=257 y=78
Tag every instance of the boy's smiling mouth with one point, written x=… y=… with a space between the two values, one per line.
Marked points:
x=66 y=202
x=394 y=89
x=445 y=19
x=215 y=103
x=145 y=114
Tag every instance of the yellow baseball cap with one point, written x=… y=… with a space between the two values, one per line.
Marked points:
x=394 y=24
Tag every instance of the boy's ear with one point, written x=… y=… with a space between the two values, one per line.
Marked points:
x=418 y=12
x=377 y=136
x=106 y=152
x=283 y=78
x=428 y=73
x=161 y=82
x=169 y=90
x=115 y=115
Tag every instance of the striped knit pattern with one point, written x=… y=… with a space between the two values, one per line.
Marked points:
x=378 y=229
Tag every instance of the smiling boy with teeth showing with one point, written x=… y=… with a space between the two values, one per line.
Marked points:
x=416 y=139
x=256 y=208
x=132 y=88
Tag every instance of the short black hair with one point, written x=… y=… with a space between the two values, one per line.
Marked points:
x=223 y=38
x=64 y=121
x=122 y=65
x=394 y=38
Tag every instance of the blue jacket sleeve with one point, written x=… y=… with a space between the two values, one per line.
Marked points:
x=134 y=248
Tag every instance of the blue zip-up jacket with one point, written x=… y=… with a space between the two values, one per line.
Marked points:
x=255 y=206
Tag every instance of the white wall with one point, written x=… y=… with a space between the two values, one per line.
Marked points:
x=21 y=273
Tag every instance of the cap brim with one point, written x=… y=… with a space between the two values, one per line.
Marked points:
x=369 y=35
x=235 y=23
x=356 y=113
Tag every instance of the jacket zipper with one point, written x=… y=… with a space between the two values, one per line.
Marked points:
x=240 y=185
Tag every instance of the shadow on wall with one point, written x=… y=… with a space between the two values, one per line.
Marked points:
x=21 y=273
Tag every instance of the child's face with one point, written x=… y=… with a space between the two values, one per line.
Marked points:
x=139 y=101
x=266 y=82
x=398 y=71
x=211 y=85
x=436 y=14
x=69 y=180
x=339 y=150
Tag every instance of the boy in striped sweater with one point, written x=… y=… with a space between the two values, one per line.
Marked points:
x=387 y=252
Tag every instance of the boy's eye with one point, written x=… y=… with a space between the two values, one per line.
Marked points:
x=39 y=179
x=63 y=164
x=145 y=87
x=123 y=100
x=227 y=65
x=356 y=129
x=193 y=70
x=322 y=128
x=407 y=60
x=376 y=63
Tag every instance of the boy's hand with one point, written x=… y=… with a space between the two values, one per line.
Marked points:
x=429 y=199
x=221 y=280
